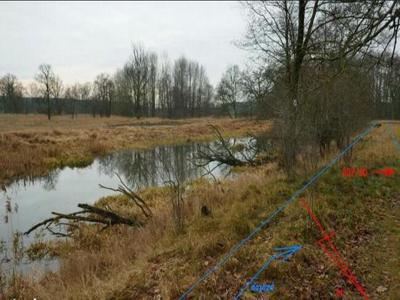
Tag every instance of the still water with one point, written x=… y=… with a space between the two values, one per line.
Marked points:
x=27 y=202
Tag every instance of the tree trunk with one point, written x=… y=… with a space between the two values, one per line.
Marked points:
x=48 y=109
x=290 y=134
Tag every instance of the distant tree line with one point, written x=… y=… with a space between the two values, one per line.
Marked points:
x=144 y=87
x=183 y=90
x=318 y=65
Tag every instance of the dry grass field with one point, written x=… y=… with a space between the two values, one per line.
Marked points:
x=30 y=145
x=155 y=262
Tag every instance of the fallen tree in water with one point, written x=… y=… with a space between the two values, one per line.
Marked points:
x=225 y=152
x=97 y=215
x=90 y=214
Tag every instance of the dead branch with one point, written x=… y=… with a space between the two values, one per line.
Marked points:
x=210 y=171
x=49 y=222
x=124 y=189
x=90 y=214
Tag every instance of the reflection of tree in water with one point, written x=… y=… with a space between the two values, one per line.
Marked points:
x=178 y=161
x=132 y=165
x=151 y=167
x=50 y=180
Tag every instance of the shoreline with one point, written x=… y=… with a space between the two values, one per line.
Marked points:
x=33 y=152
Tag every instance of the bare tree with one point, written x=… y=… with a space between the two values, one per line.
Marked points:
x=56 y=91
x=153 y=82
x=165 y=88
x=181 y=90
x=193 y=86
x=137 y=70
x=228 y=90
x=85 y=91
x=46 y=79
x=33 y=90
x=104 y=93
x=70 y=93
x=123 y=94
x=77 y=92
x=293 y=34
x=256 y=85
x=204 y=109
x=12 y=91
x=180 y=86
x=202 y=82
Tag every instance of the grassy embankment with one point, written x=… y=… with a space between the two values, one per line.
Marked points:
x=30 y=145
x=157 y=263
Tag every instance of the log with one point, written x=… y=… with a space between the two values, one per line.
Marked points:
x=90 y=214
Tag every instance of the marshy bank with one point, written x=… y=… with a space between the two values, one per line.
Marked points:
x=157 y=261
x=31 y=146
x=29 y=201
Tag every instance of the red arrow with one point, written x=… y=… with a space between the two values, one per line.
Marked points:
x=386 y=171
x=334 y=253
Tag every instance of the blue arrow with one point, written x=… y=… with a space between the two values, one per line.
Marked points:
x=283 y=253
x=286 y=252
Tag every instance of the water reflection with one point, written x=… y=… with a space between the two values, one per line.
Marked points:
x=153 y=167
x=29 y=201
x=62 y=189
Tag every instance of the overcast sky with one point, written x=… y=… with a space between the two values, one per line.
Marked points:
x=83 y=39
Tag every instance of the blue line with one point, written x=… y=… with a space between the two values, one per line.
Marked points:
x=263 y=223
x=251 y=281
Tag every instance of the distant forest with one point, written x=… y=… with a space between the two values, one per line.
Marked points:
x=328 y=65
x=75 y=107
x=143 y=87
x=184 y=91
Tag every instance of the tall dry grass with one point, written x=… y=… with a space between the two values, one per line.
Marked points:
x=157 y=263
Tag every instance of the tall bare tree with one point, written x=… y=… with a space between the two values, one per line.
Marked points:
x=46 y=79
x=165 y=88
x=153 y=82
x=180 y=88
x=104 y=93
x=292 y=34
x=256 y=85
x=229 y=89
x=33 y=90
x=137 y=71
x=56 y=92
x=77 y=92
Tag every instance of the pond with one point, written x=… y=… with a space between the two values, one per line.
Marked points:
x=27 y=202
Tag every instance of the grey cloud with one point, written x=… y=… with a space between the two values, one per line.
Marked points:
x=81 y=39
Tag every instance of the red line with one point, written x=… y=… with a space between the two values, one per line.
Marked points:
x=321 y=228
x=336 y=257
